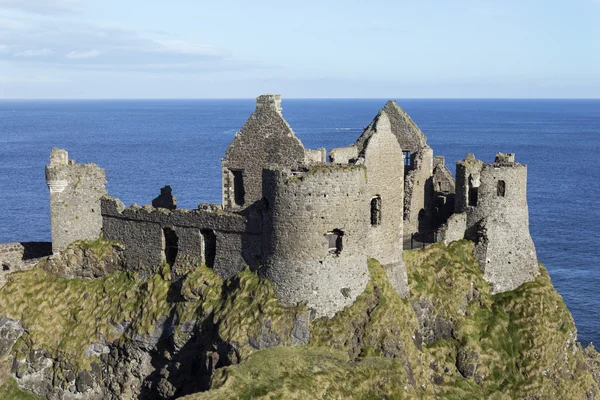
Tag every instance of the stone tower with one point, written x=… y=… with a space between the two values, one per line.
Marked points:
x=75 y=192
x=315 y=231
x=494 y=198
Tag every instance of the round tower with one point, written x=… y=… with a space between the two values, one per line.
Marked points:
x=315 y=235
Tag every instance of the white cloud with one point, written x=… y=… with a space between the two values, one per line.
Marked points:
x=44 y=7
x=35 y=53
x=78 y=55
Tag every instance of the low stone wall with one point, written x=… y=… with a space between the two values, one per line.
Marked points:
x=224 y=241
x=453 y=230
x=20 y=256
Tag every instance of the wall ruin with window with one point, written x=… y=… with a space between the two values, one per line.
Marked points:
x=221 y=240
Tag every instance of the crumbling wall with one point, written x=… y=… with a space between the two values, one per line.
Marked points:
x=141 y=231
x=21 y=256
x=265 y=139
x=301 y=210
x=407 y=132
x=498 y=219
x=444 y=189
x=418 y=193
x=453 y=229
x=75 y=192
x=343 y=155
x=316 y=156
x=385 y=189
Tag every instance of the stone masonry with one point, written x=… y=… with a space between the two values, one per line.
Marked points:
x=307 y=225
x=75 y=192
x=494 y=198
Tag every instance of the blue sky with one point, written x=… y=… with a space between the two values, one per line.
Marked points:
x=235 y=48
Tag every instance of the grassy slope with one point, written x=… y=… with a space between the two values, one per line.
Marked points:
x=520 y=343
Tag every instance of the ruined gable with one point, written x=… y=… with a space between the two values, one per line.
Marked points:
x=265 y=139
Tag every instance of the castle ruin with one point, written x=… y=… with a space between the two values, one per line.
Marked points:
x=308 y=221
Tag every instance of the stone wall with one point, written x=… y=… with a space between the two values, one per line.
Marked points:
x=222 y=240
x=453 y=229
x=494 y=197
x=265 y=139
x=301 y=209
x=75 y=192
x=20 y=256
x=385 y=189
x=343 y=155
x=419 y=193
x=408 y=133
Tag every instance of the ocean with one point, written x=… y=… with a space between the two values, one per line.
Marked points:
x=147 y=144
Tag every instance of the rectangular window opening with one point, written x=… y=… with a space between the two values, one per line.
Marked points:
x=376 y=211
x=334 y=241
x=406 y=156
x=239 y=194
x=501 y=188
x=209 y=247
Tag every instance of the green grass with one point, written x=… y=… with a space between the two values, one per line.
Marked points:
x=522 y=343
x=10 y=391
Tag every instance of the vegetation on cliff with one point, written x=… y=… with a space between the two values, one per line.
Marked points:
x=451 y=339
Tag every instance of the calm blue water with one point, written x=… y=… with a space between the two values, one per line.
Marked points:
x=145 y=145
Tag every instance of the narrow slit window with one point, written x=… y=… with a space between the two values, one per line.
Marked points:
x=376 y=211
x=501 y=188
x=239 y=193
x=334 y=241
x=406 y=156
x=171 y=246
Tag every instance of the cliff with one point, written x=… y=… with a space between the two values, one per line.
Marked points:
x=72 y=328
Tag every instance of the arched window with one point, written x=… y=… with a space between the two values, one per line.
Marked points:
x=376 y=210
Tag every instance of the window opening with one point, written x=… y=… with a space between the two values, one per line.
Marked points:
x=501 y=188
x=473 y=193
x=406 y=156
x=239 y=194
x=376 y=211
x=171 y=245
x=334 y=241
x=209 y=249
